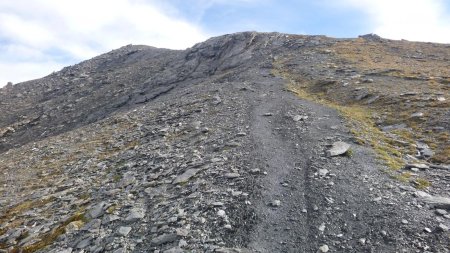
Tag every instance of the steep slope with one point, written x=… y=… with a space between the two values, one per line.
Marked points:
x=211 y=149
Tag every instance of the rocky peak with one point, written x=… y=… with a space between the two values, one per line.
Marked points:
x=247 y=142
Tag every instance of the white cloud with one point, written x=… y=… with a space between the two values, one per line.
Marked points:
x=26 y=71
x=417 y=20
x=40 y=32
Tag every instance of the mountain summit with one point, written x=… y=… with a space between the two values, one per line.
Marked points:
x=247 y=142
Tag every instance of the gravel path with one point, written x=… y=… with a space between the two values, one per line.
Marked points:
x=308 y=201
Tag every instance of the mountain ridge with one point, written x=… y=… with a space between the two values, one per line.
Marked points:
x=223 y=148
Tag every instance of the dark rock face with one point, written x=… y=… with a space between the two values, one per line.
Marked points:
x=92 y=90
x=209 y=150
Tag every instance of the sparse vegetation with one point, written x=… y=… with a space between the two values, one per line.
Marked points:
x=349 y=153
x=406 y=87
x=362 y=126
x=422 y=183
x=51 y=236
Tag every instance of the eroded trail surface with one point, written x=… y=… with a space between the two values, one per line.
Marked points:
x=309 y=202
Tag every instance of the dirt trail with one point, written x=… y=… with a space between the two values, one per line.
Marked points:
x=345 y=204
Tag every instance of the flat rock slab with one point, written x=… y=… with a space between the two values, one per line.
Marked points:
x=436 y=201
x=417 y=165
x=165 y=238
x=338 y=148
x=124 y=231
x=183 y=178
x=136 y=214
x=97 y=210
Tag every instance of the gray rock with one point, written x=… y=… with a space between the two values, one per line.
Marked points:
x=233 y=144
x=427 y=152
x=407 y=188
x=93 y=225
x=135 y=214
x=417 y=165
x=232 y=175
x=338 y=148
x=120 y=250
x=124 y=231
x=324 y=248
x=97 y=210
x=441 y=212
x=73 y=226
x=182 y=243
x=182 y=232
x=128 y=178
x=216 y=160
x=417 y=115
x=183 y=178
x=172 y=219
x=174 y=250
x=165 y=238
x=221 y=213
x=255 y=171
x=422 y=194
x=110 y=218
x=393 y=127
x=377 y=199
x=322 y=227
x=84 y=243
x=443 y=228
x=217 y=100
x=275 y=203
x=232 y=250
x=299 y=117
x=436 y=201
x=323 y=172
x=424 y=149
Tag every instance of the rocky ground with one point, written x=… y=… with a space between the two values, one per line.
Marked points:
x=212 y=150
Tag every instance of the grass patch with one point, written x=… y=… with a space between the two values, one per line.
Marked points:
x=349 y=153
x=404 y=177
x=442 y=155
x=51 y=236
x=22 y=207
x=422 y=183
x=361 y=126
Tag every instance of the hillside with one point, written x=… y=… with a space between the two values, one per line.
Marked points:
x=225 y=147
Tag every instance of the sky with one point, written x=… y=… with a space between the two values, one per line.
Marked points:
x=38 y=37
